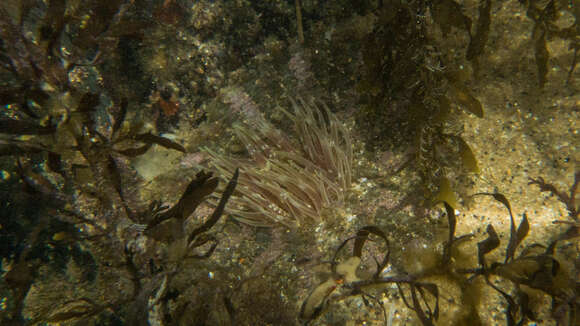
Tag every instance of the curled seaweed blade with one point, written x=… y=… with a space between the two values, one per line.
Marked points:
x=502 y=199
x=333 y=261
x=217 y=213
x=512 y=305
x=362 y=237
x=424 y=312
x=538 y=272
x=200 y=241
x=445 y=193
x=434 y=291
x=452 y=221
x=467 y=157
x=488 y=245
x=150 y=138
x=196 y=191
x=316 y=301
x=516 y=236
x=465 y=100
x=134 y=152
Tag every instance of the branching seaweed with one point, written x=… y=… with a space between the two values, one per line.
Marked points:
x=149 y=286
x=78 y=136
x=52 y=117
x=409 y=95
x=534 y=267
x=567 y=199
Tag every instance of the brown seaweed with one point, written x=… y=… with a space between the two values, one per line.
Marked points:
x=488 y=245
x=478 y=41
x=199 y=188
x=218 y=211
x=535 y=267
x=568 y=199
x=465 y=99
x=426 y=314
x=516 y=236
x=150 y=138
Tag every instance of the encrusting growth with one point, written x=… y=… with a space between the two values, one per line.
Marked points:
x=284 y=181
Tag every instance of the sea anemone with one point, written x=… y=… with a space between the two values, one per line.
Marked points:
x=288 y=180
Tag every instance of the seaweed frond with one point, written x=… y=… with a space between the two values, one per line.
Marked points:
x=524 y=269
